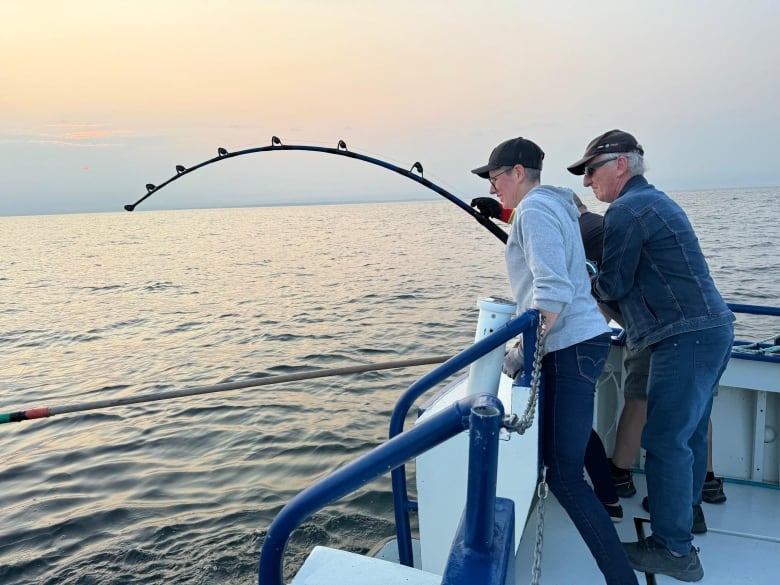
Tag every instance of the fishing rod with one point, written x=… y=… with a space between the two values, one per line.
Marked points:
x=340 y=150
x=47 y=412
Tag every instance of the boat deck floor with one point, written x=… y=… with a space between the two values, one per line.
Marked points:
x=741 y=546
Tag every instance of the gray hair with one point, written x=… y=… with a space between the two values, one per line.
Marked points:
x=533 y=175
x=636 y=163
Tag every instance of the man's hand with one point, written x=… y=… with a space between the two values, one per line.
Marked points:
x=487 y=206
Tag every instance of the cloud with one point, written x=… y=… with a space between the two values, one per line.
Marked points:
x=70 y=135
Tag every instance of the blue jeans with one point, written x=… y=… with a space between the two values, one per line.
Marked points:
x=570 y=376
x=684 y=373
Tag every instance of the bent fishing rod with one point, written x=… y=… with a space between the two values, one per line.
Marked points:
x=340 y=150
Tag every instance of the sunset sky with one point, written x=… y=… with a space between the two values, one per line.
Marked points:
x=98 y=98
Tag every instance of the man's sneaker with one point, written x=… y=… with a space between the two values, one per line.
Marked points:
x=699 y=524
x=649 y=556
x=615 y=512
x=624 y=484
x=712 y=492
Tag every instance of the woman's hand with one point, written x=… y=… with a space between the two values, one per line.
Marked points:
x=548 y=319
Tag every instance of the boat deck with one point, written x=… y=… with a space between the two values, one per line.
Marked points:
x=741 y=546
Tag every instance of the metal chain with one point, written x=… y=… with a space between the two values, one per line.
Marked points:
x=541 y=492
x=521 y=424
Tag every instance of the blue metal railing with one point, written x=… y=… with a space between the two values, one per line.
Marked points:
x=525 y=324
x=390 y=455
x=401 y=447
x=754 y=310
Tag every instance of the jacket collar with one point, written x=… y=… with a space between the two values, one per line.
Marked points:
x=633 y=182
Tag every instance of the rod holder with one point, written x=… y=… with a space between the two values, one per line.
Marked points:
x=485 y=373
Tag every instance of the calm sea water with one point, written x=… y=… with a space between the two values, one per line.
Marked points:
x=182 y=491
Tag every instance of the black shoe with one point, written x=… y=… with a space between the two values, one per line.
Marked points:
x=624 y=484
x=699 y=524
x=615 y=512
x=712 y=492
x=649 y=556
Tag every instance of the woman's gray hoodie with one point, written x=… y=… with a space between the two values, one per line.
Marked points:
x=545 y=260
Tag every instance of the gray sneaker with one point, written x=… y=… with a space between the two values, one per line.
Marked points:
x=648 y=556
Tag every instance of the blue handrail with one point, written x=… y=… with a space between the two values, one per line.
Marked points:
x=754 y=309
x=526 y=324
x=444 y=425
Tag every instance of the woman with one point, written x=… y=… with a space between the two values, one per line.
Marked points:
x=546 y=266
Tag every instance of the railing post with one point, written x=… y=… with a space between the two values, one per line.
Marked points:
x=483 y=548
x=485 y=423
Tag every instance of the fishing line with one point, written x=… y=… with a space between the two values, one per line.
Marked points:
x=415 y=173
x=46 y=412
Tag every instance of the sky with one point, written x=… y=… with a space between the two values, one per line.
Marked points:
x=98 y=98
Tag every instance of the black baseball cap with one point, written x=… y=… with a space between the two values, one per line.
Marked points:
x=516 y=151
x=612 y=141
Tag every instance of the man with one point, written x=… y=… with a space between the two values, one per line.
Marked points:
x=653 y=268
x=632 y=417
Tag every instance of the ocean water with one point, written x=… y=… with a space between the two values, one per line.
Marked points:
x=100 y=306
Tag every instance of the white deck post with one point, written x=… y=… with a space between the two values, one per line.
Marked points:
x=485 y=373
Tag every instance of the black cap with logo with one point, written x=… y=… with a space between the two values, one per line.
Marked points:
x=516 y=151
x=612 y=141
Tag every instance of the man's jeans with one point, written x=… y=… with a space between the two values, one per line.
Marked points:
x=684 y=373
x=570 y=376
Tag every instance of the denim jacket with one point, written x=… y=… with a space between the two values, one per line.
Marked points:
x=653 y=267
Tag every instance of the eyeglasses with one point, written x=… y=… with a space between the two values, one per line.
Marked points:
x=590 y=169
x=495 y=177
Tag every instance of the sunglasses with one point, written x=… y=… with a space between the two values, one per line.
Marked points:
x=590 y=169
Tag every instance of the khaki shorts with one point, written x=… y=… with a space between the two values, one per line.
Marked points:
x=637 y=365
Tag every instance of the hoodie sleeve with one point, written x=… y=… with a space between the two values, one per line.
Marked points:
x=546 y=257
